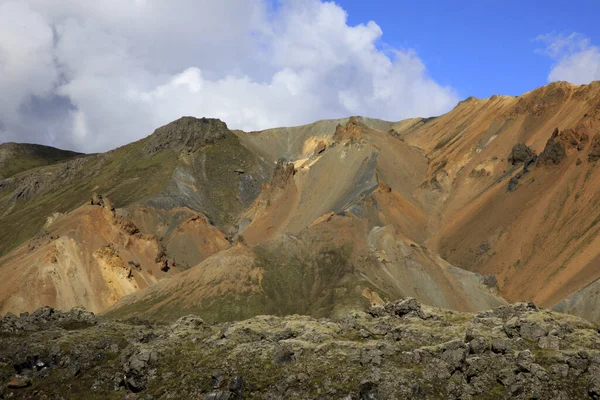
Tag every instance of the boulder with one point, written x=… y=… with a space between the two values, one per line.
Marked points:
x=190 y=322
x=98 y=200
x=553 y=154
x=594 y=153
x=282 y=174
x=520 y=154
x=549 y=342
x=531 y=331
x=395 y=134
x=135 y=369
x=478 y=346
x=559 y=143
x=594 y=387
x=501 y=346
x=514 y=182
x=368 y=391
x=401 y=308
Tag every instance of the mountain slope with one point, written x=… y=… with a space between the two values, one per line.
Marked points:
x=538 y=237
x=19 y=157
x=90 y=257
x=497 y=199
x=325 y=236
x=189 y=164
x=182 y=181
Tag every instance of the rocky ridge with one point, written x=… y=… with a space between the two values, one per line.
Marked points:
x=399 y=350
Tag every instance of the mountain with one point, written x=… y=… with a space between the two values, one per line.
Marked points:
x=326 y=235
x=17 y=157
x=165 y=196
x=493 y=202
x=531 y=221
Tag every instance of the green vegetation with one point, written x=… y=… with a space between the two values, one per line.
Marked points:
x=23 y=157
x=295 y=280
x=259 y=372
x=205 y=151
x=125 y=175
x=302 y=283
x=218 y=182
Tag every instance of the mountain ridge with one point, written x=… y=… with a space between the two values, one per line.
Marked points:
x=432 y=208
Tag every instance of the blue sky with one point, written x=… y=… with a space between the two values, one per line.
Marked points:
x=481 y=47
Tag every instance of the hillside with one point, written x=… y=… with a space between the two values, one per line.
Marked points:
x=493 y=202
x=19 y=157
x=174 y=187
x=326 y=235
x=532 y=221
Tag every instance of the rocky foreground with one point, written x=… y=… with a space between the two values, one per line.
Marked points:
x=402 y=350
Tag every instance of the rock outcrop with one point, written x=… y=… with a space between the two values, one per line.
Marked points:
x=521 y=154
x=559 y=143
x=350 y=132
x=98 y=200
x=400 y=350
x=594 y=154
x=282 y=173
x=320 y=148
x=186 y=133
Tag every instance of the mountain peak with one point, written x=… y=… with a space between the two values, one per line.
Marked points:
x=186 y=132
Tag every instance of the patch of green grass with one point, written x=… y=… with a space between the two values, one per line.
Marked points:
x=26 y=157
x=497 y=390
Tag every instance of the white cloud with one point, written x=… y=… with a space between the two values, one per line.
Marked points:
x=26 y=58
x=576 y=59
x=94 y=75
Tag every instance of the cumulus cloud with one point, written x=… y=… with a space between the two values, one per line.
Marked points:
x=95 y=75
x=576 y=59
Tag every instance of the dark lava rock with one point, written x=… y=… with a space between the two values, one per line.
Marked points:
x=395 y=134
x=553 y=154
x=490 y=281
x=401 y=308
x=558 y=144
x=514 y=182
x=283 y=356
x=135 y=369
x=368 y=391
x=594 y=154
x=520 y=154
x=235 y=392
x=47 y=318
x=403 y=350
